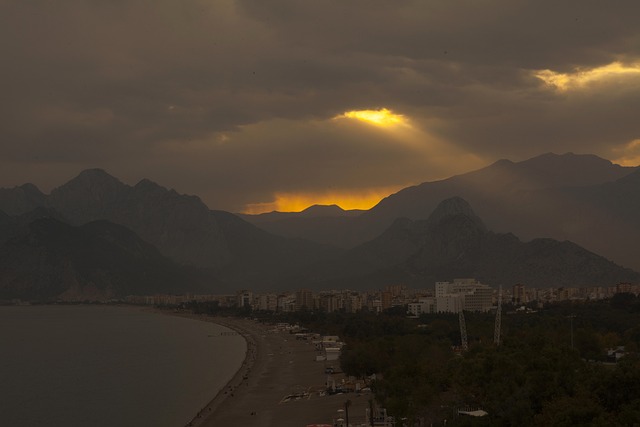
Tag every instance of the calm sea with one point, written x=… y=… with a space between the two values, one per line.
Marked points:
x=109 y=366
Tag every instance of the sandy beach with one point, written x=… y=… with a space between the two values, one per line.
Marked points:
x=276 y=367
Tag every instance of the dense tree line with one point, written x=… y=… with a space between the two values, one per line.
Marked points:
x=535 y=377
x=551 y=368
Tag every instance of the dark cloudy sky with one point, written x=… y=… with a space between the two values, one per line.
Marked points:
x=263 y=104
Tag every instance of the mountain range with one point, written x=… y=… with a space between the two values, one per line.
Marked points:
x=220 y=245
x=582 y=198
x=454 y=242
x=96 y=236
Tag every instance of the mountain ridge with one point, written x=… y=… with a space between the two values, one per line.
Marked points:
x=50 y=260
x=183 y=228
x=235 y=254
x=526 y=198
x=454 y=242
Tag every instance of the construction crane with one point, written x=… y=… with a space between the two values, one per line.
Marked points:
x=496 y=332
x=463 y=331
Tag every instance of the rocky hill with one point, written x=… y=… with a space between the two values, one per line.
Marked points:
x=182 y=227
x=454 y=242
x=46 y=259
x=22 y=199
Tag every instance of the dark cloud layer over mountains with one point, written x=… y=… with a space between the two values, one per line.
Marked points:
x=243 y=102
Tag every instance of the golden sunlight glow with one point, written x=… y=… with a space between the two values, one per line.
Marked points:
x=382 y=117
x=583 y=77
x=346 y=199
x=629 y=155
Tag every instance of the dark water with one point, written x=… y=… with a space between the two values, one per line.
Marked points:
x=109 y=366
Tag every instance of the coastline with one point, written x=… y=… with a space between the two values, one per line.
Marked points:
x=279 y=383
x=241 y=374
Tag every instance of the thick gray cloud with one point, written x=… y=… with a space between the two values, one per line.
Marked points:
x=236 y=100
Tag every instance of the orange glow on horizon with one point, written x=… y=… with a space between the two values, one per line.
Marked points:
x=346 y=199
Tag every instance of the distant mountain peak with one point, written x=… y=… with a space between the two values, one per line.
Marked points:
x=89 y=178
x=18 y=200
x=503 y=162
x=454 y=206
x=88 y=195
x=567 y=158
x=314 y=207
x=323 y=210
x=148 y=185
x=95 y=173
x=551 y=154
x=29 y=188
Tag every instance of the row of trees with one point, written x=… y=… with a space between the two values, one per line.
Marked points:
x=551 y=368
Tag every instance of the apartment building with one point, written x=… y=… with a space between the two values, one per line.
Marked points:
x=463 y=294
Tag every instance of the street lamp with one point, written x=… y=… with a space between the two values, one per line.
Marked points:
x=346 y=411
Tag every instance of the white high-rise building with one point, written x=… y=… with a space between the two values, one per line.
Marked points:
x=452 y=303
x=424 y=305
x=463 y=294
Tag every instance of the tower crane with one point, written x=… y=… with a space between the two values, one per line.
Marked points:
x=463 y=331
x=496 y=331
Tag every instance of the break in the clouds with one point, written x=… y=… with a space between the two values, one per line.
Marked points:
x=275 y=104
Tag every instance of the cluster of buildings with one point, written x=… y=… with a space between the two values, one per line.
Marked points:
x=445 y=297
x=454 y=297
x=302 y=299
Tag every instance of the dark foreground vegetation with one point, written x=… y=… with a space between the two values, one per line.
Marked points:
x=551 y=368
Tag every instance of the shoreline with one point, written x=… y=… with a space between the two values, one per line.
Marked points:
x=278 y=383
x=238 y=377
x=241 y=374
